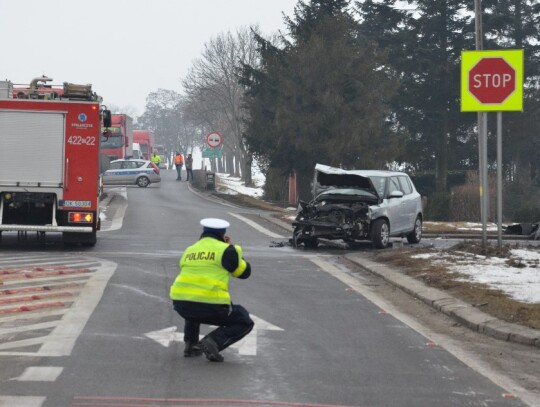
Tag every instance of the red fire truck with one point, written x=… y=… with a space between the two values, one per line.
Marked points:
x=119 y=143
x=146 y=141
x=49 y=157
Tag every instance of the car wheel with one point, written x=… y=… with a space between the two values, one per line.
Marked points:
x=143 y=182
x=296 y=241
x=380 y=234
x=416 y=235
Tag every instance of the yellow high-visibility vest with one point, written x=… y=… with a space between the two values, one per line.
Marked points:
x=202 y=278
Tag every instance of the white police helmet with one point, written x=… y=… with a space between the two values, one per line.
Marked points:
x=214 y=225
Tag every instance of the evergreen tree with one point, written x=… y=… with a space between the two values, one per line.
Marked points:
x=321 y=97
x=515 y=24
x=424 y=46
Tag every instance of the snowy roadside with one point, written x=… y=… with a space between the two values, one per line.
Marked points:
x=517 y=275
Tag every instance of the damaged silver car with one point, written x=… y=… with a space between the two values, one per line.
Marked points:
x=353 y=205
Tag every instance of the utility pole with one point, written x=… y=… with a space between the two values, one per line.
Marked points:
x=482 y=133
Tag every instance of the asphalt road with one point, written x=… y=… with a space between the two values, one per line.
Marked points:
x=113 y=339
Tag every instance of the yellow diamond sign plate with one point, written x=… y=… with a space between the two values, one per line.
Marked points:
x=492 y=81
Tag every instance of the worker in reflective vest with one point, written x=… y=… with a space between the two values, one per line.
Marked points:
x=200 y=292
x=156 y=159
x=178 y=162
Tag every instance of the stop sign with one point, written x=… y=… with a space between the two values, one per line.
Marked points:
x=492 y=80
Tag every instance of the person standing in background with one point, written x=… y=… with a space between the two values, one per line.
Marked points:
x=189 y=168
x=156 y=159
x=179 y=162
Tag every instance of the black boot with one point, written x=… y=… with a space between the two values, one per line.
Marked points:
x=211 y=350
x=192 y=349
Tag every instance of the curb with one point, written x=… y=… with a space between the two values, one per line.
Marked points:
x=464 y=313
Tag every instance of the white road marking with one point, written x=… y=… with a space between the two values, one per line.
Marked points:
x=445 y=342
x=60 y=341
x=256 y=226
x=247 y=346
x=40 y=374
x=34 y=315
x=118 y=218
x=21 y=401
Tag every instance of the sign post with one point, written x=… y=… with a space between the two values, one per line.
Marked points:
x=491 y=81
x=214 y=140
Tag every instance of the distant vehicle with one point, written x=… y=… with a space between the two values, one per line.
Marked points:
x=137 y=154
x=118 y=142
x=146 y=141
x=49 y=150
x=131 y=172
x=359 y=205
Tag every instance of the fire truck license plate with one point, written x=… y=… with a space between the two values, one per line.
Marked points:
x=77 y=204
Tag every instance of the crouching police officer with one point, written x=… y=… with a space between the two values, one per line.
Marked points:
x=200 y=293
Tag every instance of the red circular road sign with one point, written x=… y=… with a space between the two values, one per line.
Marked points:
x=214 y=139
x=492 y=80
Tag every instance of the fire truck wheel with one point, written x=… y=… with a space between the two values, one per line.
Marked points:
x=143 y=182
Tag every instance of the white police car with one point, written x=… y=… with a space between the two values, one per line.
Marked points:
x=131 y=172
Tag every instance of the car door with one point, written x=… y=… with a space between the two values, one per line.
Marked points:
x=395 y=207
x=410 y=202
x=131 y=172
x=113 y=175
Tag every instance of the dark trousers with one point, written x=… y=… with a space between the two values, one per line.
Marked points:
x=233 y=321
x=189 y=174
x=178 y=171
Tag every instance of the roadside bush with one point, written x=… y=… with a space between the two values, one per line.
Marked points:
x=465 y=203
x=276 y=187
x=437 y=207
x=528 y=213
x=521 y=202
x=465 y=200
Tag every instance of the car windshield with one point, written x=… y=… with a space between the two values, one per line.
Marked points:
x=379 y=183
x=114 y=141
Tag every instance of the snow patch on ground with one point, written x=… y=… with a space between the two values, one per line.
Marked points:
x=521 y=283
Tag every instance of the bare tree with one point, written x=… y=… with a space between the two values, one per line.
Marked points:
x=129 y=110
x=164 y=115
x=215 y=96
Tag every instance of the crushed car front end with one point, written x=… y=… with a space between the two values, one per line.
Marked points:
x=336 y=214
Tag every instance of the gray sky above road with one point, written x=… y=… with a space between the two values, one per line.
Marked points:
x=124 y=48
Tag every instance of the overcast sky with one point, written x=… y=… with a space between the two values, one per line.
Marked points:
x=124 y=48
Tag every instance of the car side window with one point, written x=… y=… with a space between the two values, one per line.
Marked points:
x=115 y=166
x=394 y=185
x=139 y=164
x=405 y=184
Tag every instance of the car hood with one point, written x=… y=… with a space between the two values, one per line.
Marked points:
x=330 y=178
